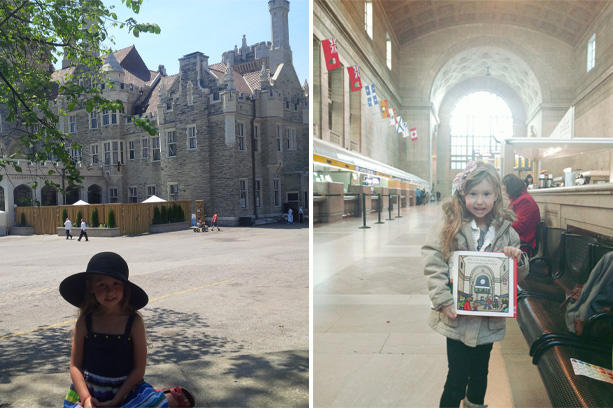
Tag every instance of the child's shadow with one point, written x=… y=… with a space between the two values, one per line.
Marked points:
x=172 y=337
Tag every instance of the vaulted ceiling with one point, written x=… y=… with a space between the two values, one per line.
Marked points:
x=566 y=20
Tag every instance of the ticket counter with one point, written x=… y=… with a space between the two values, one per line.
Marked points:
x=588 y=207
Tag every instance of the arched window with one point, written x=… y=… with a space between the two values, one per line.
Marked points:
x=48 y=195
x=23 y=196
x=72 y=195
x=94 y=194
x=477 y=120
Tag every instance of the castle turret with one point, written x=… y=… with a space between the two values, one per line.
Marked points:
x=116 y=74
x=280 y=50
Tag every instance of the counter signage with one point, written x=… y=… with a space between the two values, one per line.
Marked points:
x=332 y=162
x=365 y=170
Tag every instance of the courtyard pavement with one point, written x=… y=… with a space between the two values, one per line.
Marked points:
x=228 y=313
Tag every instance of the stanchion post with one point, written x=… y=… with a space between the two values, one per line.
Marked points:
x=389 y=207
x=379 y=209
x=398 y=202
x=363 y=211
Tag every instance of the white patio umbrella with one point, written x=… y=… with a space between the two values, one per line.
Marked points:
x=154 y=199
x=81 y=202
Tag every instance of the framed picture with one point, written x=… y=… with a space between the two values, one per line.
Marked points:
x=484 y=283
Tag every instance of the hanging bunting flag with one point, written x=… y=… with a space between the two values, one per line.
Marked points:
x=371 y=96
x=354 y=78
x=413 y=134
x=405 y=131
x=392 y=116
x=400 y=126
x=331 y=54
x=384 y=111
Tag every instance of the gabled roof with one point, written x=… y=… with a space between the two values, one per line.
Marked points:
x=136 y=72
x=150 y=103
x=134 y=66
x=61 y=74
x=245 y=83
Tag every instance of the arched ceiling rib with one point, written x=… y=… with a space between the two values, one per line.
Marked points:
x=566 y=20
x=499 y=63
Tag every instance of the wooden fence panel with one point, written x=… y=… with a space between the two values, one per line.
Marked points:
x=131 y=218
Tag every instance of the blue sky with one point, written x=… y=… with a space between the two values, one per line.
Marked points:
x=211 y=27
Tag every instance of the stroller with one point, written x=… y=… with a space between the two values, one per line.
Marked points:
x=200 y=226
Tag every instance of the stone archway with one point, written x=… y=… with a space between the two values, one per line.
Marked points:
x=94 y=194
x=48 y=196
x=72 y=195
x=22 y=196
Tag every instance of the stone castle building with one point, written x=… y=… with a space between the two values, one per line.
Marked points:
x=233 y=133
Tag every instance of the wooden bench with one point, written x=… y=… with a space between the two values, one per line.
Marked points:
x=568 y=260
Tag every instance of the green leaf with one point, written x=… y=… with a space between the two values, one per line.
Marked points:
x=89 y=107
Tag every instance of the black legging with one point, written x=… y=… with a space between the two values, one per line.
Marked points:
x=468 y=366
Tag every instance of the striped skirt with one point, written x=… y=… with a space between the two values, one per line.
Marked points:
x=104 y=388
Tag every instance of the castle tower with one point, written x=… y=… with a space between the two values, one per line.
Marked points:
x=280 y=51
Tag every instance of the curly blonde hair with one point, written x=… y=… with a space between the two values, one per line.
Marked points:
x=456 y=214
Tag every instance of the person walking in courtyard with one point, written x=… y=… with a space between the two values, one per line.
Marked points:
x=83 y=231
x=474 y=220
x=300 y=215
x=215 y=224
x=290 y=216
x=109 y=344
x=68 y=227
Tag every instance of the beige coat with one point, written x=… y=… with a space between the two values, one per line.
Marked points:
x=470 y=330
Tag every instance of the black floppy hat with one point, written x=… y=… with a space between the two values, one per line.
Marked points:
x=110 y=264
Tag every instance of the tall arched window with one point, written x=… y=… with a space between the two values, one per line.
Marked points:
x=477 y=120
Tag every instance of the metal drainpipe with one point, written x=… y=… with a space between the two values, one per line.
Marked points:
x=255 y=207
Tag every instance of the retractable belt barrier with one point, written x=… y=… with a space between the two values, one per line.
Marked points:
x=362 y=204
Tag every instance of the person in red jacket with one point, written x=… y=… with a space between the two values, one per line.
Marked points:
x=527 y=214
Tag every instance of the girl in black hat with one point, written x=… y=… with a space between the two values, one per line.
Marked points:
x=109 y=350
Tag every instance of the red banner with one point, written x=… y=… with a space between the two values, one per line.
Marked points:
x=354 y=78
x=331 y=54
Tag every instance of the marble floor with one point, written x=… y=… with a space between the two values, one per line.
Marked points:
x=372 y=346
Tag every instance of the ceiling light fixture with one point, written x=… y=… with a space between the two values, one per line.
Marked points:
x=487 y=71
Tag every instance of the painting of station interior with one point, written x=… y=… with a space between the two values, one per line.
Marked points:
x=483 y=286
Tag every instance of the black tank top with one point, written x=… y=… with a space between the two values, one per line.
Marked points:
x=108 y=355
